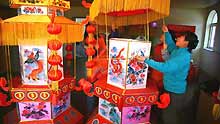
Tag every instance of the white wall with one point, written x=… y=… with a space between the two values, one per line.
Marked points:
x=209 y=62
x=193 y=17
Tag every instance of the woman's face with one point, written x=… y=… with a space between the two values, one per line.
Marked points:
x=181 y=42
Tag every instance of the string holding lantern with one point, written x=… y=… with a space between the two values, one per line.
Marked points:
x=54 y=74
x=90 y=51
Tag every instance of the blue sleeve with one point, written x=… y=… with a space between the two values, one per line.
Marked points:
x=171 y=65
x=170 y=43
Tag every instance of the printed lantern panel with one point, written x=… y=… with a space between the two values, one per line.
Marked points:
x=136 y=115
x=137 y=71
x=109 y=111
x=124 y=71
x=32 y=111
x=33 y=62
x=118 y=54
x=62 y=105
x=129 y=115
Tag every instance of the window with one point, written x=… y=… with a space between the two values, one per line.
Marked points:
x=210 y=30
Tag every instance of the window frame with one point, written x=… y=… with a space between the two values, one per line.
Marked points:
x=209 y=37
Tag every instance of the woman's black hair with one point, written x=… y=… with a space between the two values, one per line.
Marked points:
x=172 y=33
x=192 y=38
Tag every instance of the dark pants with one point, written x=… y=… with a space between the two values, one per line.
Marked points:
x=182 y=107
x=174 y=113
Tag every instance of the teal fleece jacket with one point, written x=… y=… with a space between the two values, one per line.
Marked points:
x=175 y=69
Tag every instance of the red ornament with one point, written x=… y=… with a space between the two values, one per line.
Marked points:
x=85 y=4
x=90 y=51
x=92 y=41
x=90 y=64
x=54 y=44
x=54 y=59
x=69 y=56
x=3 y=84
x=53 y=28
x=69 y=47
x=54 y=75
x=90 y=29
x=85 y=21
x=164 y=101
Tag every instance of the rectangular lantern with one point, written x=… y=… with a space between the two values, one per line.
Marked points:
x=124 y=71
x=128 y=115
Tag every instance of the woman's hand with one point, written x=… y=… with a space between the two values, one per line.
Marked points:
x=164 y=28
x=140 y=58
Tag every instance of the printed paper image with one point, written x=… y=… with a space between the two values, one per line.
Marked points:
x=117 y=62
x=135 y=115
x=137 y=71
x=62 y=104
x=109 y=111
x=34 y=111
x=33 y=62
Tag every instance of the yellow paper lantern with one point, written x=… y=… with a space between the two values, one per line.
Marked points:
x=128 y=12
x=35 y=27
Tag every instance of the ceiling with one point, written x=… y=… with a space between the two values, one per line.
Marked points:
x=174 y=3
x=192 y=3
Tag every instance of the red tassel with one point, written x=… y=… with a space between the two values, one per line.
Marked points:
x=3 y=83
x=85 y=4
x=85 y=86
x=164 y=101
x=3 y=100
x=90 y=51
x=84 y=22
x=90 y=64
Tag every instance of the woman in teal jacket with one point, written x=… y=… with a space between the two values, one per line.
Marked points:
x=175 y=71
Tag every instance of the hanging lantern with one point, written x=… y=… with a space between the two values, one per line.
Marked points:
x=54 y=75
x=54 y=59
x=69 y=56
x=54 y=44
x=91 y=41
x=90 y=64
x=69 y=47
x=90 y=29
x=90 y=51
x=53 y=28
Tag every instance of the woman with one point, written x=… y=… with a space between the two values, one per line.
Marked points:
x=175 y=70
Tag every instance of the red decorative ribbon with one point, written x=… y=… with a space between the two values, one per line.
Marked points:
x=164 y=101
x=85 y=4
